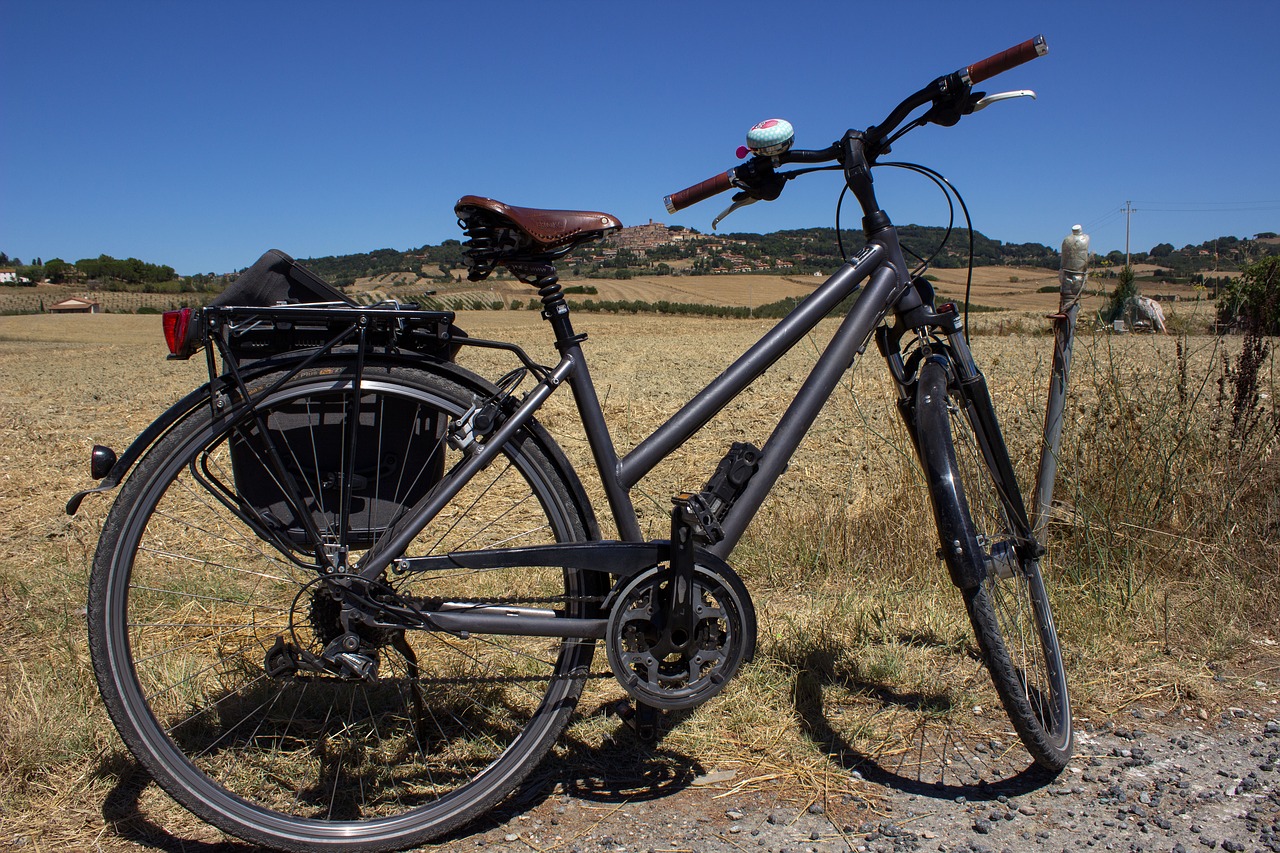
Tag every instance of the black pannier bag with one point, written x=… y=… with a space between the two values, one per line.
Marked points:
x=275 y=279
x=399 y=456
x=399 y=445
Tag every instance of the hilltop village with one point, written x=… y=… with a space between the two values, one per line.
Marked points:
x=674 y=250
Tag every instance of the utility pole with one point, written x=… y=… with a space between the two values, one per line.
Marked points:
x=1128 y=212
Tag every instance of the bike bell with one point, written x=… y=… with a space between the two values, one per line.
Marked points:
x=771 y=137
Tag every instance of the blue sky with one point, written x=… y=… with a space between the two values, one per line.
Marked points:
x=201 y=134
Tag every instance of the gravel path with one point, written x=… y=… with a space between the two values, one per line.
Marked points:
x=1153 y=783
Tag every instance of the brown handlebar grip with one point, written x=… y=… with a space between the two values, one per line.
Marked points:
x=698 y=192
x=1002 y=62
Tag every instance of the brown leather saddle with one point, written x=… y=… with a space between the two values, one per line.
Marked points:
x=501 y=234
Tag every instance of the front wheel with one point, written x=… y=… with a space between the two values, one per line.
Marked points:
x=213 y=587
x=981 y=520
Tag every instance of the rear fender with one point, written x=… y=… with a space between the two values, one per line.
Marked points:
x=145 y=439
x=200 y=396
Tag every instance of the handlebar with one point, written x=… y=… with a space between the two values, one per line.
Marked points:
x=1003 y=61
x=699 y=192
x=950 y=97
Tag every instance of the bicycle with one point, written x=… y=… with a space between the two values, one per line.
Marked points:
x=349 y=595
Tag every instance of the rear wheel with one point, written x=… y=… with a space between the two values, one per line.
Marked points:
x=1009 y=609
x=209 y=595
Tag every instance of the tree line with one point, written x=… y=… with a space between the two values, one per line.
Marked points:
x=797 y=251
x=103 y=268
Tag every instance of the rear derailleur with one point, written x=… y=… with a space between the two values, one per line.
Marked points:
x=346 y=657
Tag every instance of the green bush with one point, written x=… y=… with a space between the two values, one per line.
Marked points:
x=1252 y=301
x=1125 y=288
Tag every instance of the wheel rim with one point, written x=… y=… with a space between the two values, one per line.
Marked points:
x=204 y=599
x=1014 y=588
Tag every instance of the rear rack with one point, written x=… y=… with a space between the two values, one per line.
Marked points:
x=250 y=333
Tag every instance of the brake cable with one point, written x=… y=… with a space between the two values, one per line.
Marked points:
x=948 y=189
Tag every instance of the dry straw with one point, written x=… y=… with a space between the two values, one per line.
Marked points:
x=1163 y=561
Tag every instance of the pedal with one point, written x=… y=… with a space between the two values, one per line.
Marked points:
x=730 y=478
x=641 y=719
x=697 y=514
x=705 y=510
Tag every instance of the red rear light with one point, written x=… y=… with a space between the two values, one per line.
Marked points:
x=177 y=325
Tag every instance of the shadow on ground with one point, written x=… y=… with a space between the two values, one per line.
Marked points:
x=931 y=752
x=627 y=768
x=926 y=750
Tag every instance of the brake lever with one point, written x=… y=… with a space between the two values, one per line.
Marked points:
x=739 y=200
x=987 y=100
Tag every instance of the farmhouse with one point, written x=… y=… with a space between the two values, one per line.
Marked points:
x=75 y=305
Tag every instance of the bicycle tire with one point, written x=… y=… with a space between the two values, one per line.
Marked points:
x=186 y=599
x=1009 y=610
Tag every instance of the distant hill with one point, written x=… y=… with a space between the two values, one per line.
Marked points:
x=436 y=262
x=656 y=249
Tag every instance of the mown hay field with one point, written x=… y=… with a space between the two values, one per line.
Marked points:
x=1164 y=553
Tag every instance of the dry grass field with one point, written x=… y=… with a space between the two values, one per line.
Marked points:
x=1164 y=557
x=1009 y=288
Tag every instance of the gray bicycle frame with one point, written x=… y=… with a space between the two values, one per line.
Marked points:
x=880 y=264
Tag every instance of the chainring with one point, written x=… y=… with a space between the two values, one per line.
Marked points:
x=655 y=662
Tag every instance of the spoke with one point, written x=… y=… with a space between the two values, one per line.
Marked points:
x=487 y=666
x=244 y=542
x=212 y=666
x=196 y=642
x=512 y=508
x=317 y=494
x=193 y=595
x=466 y=513
x=211 y=564
x=228 y=732
x=337 y=774
x=174 y=727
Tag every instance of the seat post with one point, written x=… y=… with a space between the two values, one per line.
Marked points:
x=555 y=309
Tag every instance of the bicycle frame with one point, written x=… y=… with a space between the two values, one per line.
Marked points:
x=889 y=287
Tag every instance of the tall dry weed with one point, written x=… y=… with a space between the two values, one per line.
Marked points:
x=1168 y=487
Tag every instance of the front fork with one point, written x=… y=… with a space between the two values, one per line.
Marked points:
x=928 y=328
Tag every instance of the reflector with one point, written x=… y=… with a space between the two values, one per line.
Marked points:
x=176 y=324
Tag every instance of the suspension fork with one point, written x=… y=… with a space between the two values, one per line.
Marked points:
x=979 y=410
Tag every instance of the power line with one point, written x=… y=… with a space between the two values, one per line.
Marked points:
x=1104 y=219
x=1254 y=208
x=1212 y=203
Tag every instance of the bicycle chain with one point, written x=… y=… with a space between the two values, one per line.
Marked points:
x=425 y=605
x=500 y=600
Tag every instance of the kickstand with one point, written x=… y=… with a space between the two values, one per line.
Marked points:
x=640 y=718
